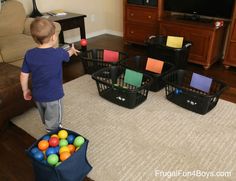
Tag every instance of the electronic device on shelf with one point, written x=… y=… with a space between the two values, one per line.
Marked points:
x=143 y=2
x=210 y=8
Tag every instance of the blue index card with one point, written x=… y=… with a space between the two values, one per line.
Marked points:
x=133 y=78
x=201 y=82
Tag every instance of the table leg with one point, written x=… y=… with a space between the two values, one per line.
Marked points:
x=61 y=37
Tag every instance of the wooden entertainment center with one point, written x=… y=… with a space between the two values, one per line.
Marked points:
x=230 y=56
x=142 y=21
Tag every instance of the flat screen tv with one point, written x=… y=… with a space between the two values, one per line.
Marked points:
x=210 y=8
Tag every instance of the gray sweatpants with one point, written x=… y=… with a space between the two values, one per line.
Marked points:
x=50 y=113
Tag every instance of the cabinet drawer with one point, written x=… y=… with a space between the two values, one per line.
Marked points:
x=139 y=33
x=145 y=15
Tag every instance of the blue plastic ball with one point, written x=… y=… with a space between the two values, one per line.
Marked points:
x=178 y=91
x=45 y=162
x=57 y=149
x=34 y=150
x=70 y=139
x=50 y=151
x=46 y=137
x=39 y=155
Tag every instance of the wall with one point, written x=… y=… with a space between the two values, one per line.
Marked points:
x=103 y=16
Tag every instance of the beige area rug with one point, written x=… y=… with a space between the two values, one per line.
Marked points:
x=143 y=144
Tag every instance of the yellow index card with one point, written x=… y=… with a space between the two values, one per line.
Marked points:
x=174 y=41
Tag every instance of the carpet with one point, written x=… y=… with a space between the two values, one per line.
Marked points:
x=157 y=140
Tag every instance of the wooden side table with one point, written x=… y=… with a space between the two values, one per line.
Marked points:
x=68 y=22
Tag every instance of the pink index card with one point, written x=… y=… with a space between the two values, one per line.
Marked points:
x=110 y=56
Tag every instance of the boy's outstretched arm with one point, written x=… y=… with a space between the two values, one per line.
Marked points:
x=24 y=78
x=73 y=51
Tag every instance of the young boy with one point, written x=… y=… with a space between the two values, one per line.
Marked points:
x=45 y=65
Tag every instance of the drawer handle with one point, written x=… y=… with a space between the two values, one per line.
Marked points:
x=131 y=14
x=131 y=32
x=149 y=17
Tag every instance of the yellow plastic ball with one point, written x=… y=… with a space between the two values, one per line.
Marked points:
x=64 y=149
x=55 y=135
x=62 y=134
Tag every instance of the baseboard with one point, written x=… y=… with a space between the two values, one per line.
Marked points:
x=93 y=34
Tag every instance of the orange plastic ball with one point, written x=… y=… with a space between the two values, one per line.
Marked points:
x=64 y=155
x=43 y=145
x=71 y=148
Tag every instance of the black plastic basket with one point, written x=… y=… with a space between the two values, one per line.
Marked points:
x=76 y=167
x=178 y=56
x=138 y=63
x=111 y=86
x=179 y=91
x=93 y=60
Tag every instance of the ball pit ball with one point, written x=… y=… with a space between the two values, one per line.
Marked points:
x=77 y=148
x=57 y=149
x=63 y=142
x=71 y=148
x=178 y=91
x=50 y=151
x=53 y=141
x=46 y=137
x=44 y=162
x=70 y=138
x=54 y=135
x=39 y=155
x=34 y=150
x=64 y=155
x=64 y=149
x=43 y=145
x=83 y=42
x=62 y=134
x=57 y=164
x=79 y=140
x=52 y=159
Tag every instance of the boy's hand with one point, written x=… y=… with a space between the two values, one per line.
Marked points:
x=27 y=95
x=73 y=51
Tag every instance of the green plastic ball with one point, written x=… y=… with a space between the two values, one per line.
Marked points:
x=57 y=164
x=52 y=159
x=63 y=142
x=79 y=140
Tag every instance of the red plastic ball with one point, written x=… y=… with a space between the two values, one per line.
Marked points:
x=53 y=141
x=83 y=42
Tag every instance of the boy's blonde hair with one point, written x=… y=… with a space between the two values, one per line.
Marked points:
x=42 y=30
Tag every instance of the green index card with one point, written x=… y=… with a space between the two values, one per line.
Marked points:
x=133 y=78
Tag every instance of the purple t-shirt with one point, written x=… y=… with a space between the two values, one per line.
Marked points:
x=45 y=65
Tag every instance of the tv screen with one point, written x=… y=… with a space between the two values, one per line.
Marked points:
x=211 y=8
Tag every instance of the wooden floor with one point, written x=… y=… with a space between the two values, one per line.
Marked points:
x=16 y=166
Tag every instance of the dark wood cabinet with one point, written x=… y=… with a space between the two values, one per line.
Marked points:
x=140 y=22
x=230 y=56
x=207 y=40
